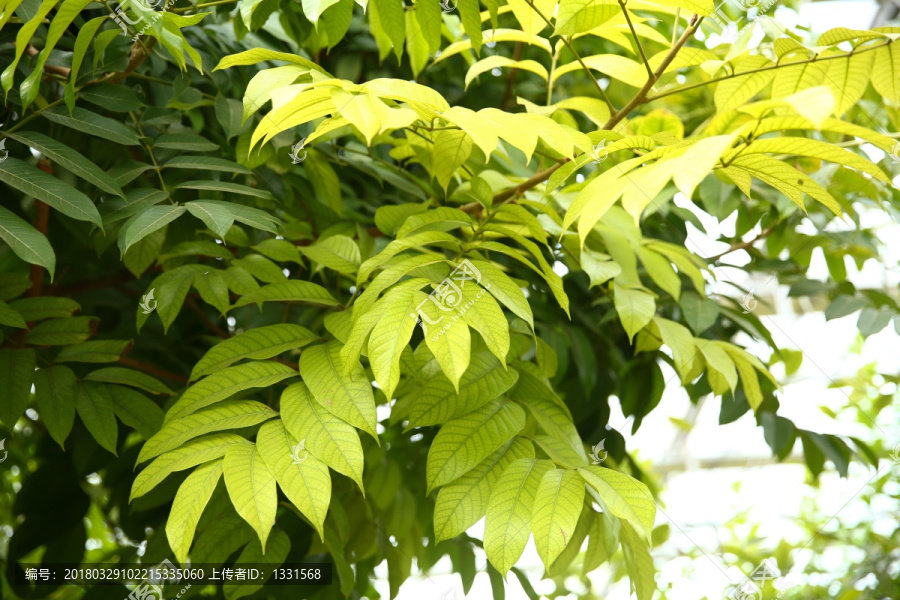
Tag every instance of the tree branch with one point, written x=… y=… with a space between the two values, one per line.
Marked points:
x=137 y=364
x=639 y=98
x=743 y=245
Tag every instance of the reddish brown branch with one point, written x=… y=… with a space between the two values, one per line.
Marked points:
x=137 y=364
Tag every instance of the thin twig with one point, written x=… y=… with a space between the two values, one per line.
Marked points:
x=642 y=94
x=577 y=57
x=637 y=40
x=743 y=245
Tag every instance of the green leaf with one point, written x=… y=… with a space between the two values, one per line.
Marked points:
x=227 y=382
x=46 y=188
x=28 y=243
x=337 y=252
x=61 y=332
x=98 y=351
x=91 y=123
x=482 y=313
x=451 y=149
x=231 y=188
x=290 y=291
x=23 y=38
x=16 y=376
x=548 y=410
x=229 y=115
x=437 y=401
x=602 y=542
x=95 y=408
x=391 y=335
x=44 y=307
x=54 y=390
x=327 y=437
x=143 y=224
x=303 y=477
x=205 y=163
x=260 y=342
x=218 y=218
x=390 y=17
x=135 y=201
x=116 y=98
x=189 y=455
x=224 y=415
x=69 y=159
x=635 y=309
x=348 y=396
x=557 y=506
x=700 y=313
x=258 y=55
x=11 y=317
x=184 y=142
x=461 y=504
x=505 y=290
x=251 y=487
x=623 y=496
x=579 y=16
x=680 y=341
x=82 y=41
x=464 y=442
x=136 y=410
x=636 y=551
x=451 y=346
x=191 y=499
x=279 y=250
x=509 y=512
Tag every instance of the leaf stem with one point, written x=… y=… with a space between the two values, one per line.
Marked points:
x=763 y=69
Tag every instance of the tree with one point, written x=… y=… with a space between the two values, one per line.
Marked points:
x=341 y=299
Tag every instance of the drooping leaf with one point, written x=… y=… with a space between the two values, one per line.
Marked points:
x=303 y=478
x=95 y=408
x=16 y=377
x=464 y=442
x=509 y=511
x=348 y=396
x=191 y=499
x=251 y=487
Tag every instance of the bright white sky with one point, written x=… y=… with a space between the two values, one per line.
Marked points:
x=697 y=502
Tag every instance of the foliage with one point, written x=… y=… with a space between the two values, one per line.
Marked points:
x=398 y=273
